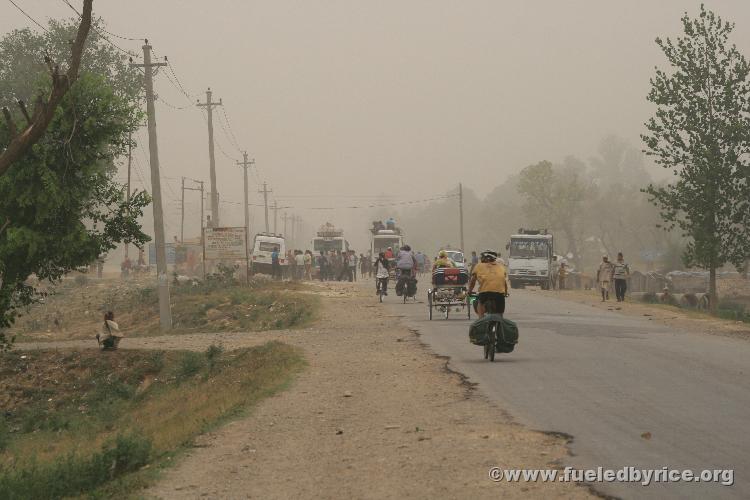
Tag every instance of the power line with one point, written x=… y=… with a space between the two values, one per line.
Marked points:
x=101 y=32
x=179 y=83
x=229 y=125
x=166 y=103
x=408 y=202
x=226 y=134
x=28 y=16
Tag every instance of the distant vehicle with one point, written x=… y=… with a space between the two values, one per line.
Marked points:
x=457 y=256
x=530 y=259
x=263 y=247
x=382 y=239
x=328 y=239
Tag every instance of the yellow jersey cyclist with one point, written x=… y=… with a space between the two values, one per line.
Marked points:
x=493 y=283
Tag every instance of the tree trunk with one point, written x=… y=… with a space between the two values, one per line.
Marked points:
x=713 y=299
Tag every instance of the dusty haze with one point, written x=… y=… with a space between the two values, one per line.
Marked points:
x=341 y=101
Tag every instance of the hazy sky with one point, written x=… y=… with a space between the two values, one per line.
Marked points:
x=402 y=97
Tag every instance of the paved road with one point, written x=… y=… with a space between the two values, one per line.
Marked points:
x=605 y=379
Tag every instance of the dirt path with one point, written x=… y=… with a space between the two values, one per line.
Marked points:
x=374 y=416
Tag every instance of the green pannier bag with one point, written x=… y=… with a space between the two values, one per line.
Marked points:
x=479 y=332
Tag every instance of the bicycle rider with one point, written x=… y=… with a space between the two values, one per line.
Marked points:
x=381 y=273
x=493 y=283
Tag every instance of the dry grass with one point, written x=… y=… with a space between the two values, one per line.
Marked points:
x=162 y=399
x=74 y=311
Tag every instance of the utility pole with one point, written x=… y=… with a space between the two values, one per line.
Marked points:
x=245 y=164
x=127 y=195
x=182 y=213
x=209 y=105
x=461 y=213
x=294 y=224
x=265 y=192
x=285 y=218
x=185 y=188
x=165 y=314
x=275 y=215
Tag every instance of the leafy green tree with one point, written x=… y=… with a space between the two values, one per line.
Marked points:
x=556 y=197
x=701 y=131
x=45 y=103
x=24 y=72
x=60 y=207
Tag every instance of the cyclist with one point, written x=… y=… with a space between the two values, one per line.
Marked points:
x=493 y=283
x=406 y=263
x=381 y=273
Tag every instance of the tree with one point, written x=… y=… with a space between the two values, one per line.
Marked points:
x=701 y=131
x=19 y=142
x=555 y=199
x=60 y=206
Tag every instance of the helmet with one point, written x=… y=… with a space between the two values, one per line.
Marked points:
x=489 y=254
x=442 y=254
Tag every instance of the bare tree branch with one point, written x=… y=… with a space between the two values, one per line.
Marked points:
x=44 y=111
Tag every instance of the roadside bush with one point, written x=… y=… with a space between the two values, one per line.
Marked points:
x=213 y=353
x=4 y=433
x=190 y=364
x=75 y=475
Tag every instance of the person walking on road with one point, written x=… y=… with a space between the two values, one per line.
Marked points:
x=620 y=273
x=323 y=266
x=352 y=263
x=561 y=275
x=362 y=266
x=308 y=265
x=275 y=265
x=299 y=259
x=604 y=277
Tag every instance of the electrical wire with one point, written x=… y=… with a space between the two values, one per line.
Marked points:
x=226 y=134
x=377 y=205
x=101 y=32
x=179 y=83
x=229 y=125
x=28 y=16
x=166 y=103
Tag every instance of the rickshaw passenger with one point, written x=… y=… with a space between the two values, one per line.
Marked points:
x=442 y=261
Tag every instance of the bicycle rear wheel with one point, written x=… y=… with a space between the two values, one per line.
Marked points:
x=493 y=341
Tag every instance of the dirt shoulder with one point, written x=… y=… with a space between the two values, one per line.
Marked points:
x=375 y=415
x=674 y=317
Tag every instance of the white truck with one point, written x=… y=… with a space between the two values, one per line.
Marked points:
x=328 y=239
x=263 y=246
x=382 y=239
x=531 y=259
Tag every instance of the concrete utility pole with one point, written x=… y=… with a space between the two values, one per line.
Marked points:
x=182 y=213
x=209 y=105
x=265 y=192
x=461 y=213
x=185 y=188
x=294 y=224
x=245 y=164
x=165 y=313
x=285 y=218
x=275 y=215
x=127 y=196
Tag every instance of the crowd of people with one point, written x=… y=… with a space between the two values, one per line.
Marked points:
x=335 y=265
